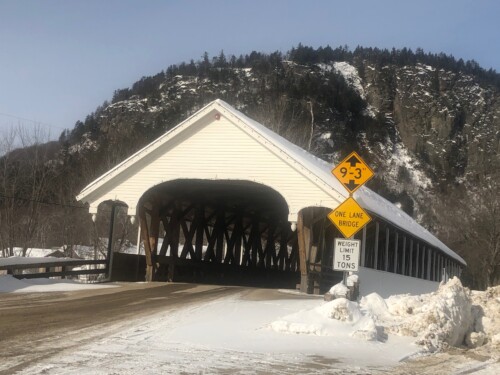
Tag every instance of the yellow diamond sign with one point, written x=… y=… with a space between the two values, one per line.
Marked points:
x=352 y=172
x=349 y=217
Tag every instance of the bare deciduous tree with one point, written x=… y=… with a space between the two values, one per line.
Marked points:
x=473 y=222
x=24 y=175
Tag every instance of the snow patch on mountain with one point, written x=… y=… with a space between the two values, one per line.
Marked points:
x=401 y=158
x=351 y=76
x=349 y=72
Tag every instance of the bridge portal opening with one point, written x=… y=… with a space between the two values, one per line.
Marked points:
x=222 y=231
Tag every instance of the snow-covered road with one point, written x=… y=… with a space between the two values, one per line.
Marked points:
x=228 y=335
x=202 y=329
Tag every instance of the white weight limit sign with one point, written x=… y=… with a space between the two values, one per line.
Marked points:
x=346 y=254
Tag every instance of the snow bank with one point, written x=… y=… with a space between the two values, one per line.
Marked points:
x=15 y=260
x=339 y=290
x=486 y=314
x=340 y=318
x=340 y=309
x=9 y=284
x=436 y=320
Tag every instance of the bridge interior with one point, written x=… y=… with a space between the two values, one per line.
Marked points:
x=225 y=228
x=235 y=231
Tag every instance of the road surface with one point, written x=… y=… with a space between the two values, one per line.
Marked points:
x=37 y=325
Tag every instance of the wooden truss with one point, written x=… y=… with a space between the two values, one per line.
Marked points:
x=198 y=233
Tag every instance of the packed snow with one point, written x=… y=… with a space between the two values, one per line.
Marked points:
x=436 y=320
x=15 y=260
x=246 y=334
x=9 y=284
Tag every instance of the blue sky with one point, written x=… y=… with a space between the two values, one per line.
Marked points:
x=60 y=59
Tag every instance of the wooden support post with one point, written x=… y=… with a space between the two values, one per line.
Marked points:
x=109 y=258
x=303 y=240
x=150 y=268
x=441 y=267
x=396 y=243
x=403 y=260
x=386 y=257
x=410 y=259
x=270 y=249
x=417 y=260
x=166 y=238
x=219 y=228
x=423 y=262
x=199 y=222
x=327 y=252
x=254 y=241
x=293 y=259
x=429 y=263
x=448 y=270
x=188 y=232
x=175 y=228
x=154 y=231
x=238 y=238
x=434 y=265
x=283 y=252
x=247 y=247
x=153 y=236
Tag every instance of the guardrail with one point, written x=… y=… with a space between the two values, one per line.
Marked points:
x=67 y=265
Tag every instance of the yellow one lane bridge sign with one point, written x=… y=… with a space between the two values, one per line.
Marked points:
x=349 y=217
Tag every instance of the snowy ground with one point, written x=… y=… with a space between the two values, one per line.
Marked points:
x=229 y=335
x=265 y=331
x=9 y=284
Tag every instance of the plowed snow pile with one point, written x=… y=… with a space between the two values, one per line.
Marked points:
x=486 y=313
x=451 y=316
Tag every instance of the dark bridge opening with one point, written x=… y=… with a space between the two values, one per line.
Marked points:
x=231 y=232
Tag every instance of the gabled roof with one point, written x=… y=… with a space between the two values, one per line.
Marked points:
x=319 y=169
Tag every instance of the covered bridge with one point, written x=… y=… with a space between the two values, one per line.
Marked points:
x=223 y=190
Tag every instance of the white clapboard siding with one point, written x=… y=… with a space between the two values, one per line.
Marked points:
x=217 y=149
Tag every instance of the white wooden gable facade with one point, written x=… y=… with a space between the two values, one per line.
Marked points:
x=216 y=143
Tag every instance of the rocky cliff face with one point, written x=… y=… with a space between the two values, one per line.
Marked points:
x=446 y=119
